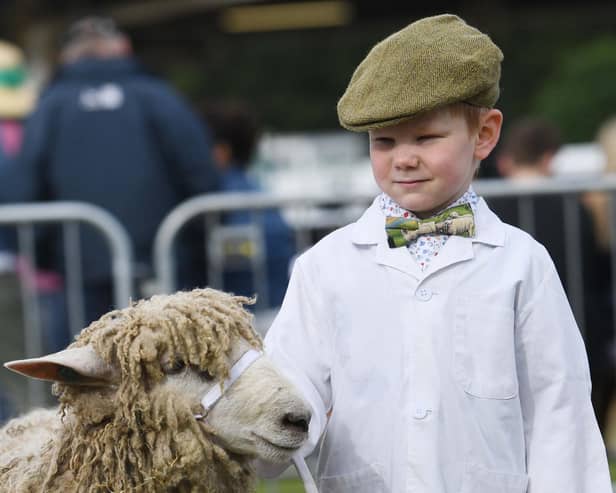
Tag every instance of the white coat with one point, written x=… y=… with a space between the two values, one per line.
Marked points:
x=469 y=377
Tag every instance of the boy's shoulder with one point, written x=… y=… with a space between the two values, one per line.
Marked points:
x=522 y=247
x=515 y=234
x=367 y=229
x=334 y=241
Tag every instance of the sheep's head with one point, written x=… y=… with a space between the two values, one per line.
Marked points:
x=134 y=381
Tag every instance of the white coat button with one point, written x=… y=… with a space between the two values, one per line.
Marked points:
x=421 y=413
x=423 y=294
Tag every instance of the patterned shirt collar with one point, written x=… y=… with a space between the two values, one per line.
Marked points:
x=425 y=248
x=391 y=208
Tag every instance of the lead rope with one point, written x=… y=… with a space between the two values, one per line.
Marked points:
x=215 y=393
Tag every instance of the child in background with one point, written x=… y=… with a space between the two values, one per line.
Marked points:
x=235 y=134
x=434 y=342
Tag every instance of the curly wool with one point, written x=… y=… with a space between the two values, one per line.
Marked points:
x=139 y=436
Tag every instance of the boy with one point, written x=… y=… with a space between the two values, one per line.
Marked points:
x=449 y=361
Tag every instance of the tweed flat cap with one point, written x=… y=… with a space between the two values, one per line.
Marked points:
x=430 y=63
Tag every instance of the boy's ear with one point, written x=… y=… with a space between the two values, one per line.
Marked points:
x=488 y=133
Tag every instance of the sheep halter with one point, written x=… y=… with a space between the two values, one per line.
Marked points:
x=239 y=367
x=215 y=393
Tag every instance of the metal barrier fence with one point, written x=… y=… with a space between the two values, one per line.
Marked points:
x=68 y=215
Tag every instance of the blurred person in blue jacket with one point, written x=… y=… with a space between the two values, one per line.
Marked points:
x=235 y=133
x=108 y=133
x=17 y=98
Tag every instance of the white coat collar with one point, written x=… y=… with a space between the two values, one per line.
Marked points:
x=370 y=230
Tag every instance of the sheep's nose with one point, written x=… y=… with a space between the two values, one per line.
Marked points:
x=296 y=421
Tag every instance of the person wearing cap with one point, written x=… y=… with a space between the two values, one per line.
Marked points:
x=435 y=343
x=107 y=132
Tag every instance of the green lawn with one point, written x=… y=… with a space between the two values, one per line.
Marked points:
x=295 y=485
x=281 y=486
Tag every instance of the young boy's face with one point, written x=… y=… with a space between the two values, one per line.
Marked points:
x=425 y=163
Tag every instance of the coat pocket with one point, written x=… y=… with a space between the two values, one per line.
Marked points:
x=484 y=349
x=479 y=480
x=366 y=480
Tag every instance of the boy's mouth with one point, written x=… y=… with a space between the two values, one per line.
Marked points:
x=409 y=183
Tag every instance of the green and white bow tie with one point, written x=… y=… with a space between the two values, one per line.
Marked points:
x=457 y=220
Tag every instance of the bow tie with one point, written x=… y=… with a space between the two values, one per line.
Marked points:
x=457 y=220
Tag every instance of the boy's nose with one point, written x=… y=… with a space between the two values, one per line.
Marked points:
x=406 y=160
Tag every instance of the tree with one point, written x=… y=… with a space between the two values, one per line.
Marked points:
x=579 y=94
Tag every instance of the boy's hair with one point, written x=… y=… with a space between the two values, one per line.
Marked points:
x=431 y=63
x=471 y=114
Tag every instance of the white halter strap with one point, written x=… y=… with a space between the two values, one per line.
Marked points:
x=215 y=393
x=304 y=473
x=240 y=366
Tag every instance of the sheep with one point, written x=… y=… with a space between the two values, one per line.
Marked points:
x=422 y=229
x=460 y=225
x=130 y=417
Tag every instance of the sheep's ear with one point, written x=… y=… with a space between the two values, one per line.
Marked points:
x=76 y=366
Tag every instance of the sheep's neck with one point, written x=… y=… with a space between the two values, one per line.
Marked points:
x=119 y=465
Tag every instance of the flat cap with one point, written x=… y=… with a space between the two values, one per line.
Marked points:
x=432 y=62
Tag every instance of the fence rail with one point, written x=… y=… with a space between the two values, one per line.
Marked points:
x=75 y=212
x=25 y=217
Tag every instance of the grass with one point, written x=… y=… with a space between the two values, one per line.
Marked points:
x=293 y=485
x=281 y=486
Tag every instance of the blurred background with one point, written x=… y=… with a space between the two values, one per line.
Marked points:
x=291 y=61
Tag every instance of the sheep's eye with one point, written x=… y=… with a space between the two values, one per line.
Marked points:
x=206 y=375
x=176 y=366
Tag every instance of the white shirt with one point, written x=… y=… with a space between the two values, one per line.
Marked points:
x=467 y=377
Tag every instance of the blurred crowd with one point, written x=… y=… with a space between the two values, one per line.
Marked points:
x=106 y=131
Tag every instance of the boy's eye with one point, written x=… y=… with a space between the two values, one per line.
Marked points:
x=383 y=140
x=427 y=137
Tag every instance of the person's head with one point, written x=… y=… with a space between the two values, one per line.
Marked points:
x=426 y=96
x=235 y=132
x=606 y=137
x=528 y=148
x=17 y=97
x=93 y=37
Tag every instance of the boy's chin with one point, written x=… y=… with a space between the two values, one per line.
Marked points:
x=420 y=209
